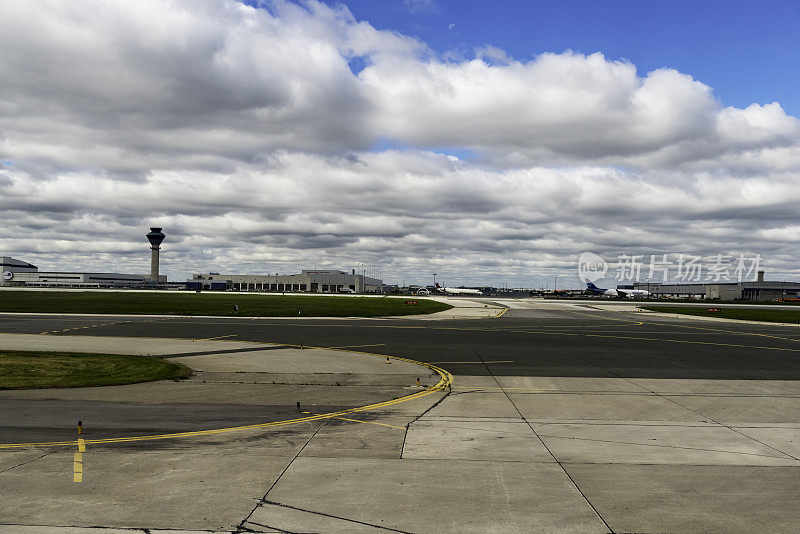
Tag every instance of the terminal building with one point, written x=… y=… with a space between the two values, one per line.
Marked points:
x=22 y=274
x=316 y=281
x=758 y=290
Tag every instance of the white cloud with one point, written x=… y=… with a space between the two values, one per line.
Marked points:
x=246 y=135
x=566 y=109
x=129 y=86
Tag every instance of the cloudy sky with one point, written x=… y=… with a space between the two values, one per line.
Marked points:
x=491 y=146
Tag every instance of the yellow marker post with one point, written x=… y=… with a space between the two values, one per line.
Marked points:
x=417 y=382
x=80 y=427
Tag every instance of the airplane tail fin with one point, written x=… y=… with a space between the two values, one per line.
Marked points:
x=438 y=286
x=591 y=285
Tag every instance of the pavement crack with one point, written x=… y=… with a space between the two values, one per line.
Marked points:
x=388 y=529
x=560 y=465
x=720 y=423
x=28 y=461
x=264 y=498
x=673 y=401
x=269 y=527
x=417 y=418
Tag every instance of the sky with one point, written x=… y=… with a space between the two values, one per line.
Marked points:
x=489 y=142
x=746 y=51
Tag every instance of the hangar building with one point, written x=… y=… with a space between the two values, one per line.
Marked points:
x=308 y=281
x=20 y=273
x=758 y=290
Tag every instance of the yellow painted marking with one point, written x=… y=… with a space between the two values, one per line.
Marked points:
x=492 y=388
x=691 y=342
x=639 y=338
x=370 y=422
x=77 y=467
x=725 y=331
x=357 y=346
x=630 y=321
x=501 y=313
x=445 y=381
x=479 y=363
x=218 y=337
x=637 y=323
x=81 y=445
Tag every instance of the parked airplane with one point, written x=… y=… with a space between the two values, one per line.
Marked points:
x=630 y=293
x=457 y=291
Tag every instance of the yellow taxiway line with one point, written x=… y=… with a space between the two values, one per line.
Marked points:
x=370 y=423
x=446 y=379
x=475 y=362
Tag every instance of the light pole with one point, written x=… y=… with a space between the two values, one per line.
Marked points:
x=555 y=282
x=434 y=282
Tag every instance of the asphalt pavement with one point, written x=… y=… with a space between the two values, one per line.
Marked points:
x=561 y=417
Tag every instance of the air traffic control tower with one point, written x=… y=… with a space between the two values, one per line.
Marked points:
x=155 y=236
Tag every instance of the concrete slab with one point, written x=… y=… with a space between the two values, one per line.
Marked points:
x=469 y=381
x=301 y=361
x=709 y=387
x=475 y=404
x=521 y=384
x=788 y=386
x=676 y=444
x=474 y=439
x=785 y=438
x=430 y=496
x=569 y=406
x=117 y=345
x=135 y=486
x=311 y=521
x=41 y=529
x=692 y=499
x=374 y=437
x=744 y=409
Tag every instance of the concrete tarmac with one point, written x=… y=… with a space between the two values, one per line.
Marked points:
x=561 y=418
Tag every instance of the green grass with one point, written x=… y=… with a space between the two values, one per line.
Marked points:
x=180 y=303
x=748 y=314
x=32 y=369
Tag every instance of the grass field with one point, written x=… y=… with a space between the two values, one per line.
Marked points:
x=180 y=303
x=748 y=314
x=33 y=369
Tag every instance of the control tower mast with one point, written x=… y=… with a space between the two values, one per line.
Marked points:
x=155 y=236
